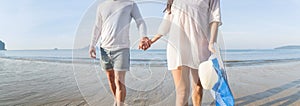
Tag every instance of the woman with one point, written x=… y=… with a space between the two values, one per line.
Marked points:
x=192 y=26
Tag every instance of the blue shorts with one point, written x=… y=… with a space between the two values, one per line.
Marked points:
x=117 y=60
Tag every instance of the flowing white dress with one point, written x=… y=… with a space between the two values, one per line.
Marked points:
x=188 y=29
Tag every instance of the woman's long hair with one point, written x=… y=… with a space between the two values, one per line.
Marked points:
x=168 y=7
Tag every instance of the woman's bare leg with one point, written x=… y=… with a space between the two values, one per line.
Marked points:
x=182 y=85
x=197 y=91
x=120 y=87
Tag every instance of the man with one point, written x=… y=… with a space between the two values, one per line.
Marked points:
x=112 y=24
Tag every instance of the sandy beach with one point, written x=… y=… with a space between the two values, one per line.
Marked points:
x=273 y=84
x=29 y=83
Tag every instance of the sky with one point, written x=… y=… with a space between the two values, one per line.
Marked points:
x=48 y=24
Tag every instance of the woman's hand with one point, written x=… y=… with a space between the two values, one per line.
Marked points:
x=92 y=52
x=211 y=47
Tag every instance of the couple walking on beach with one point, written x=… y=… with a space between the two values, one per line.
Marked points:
x=191 y=25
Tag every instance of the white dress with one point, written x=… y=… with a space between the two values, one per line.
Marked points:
x=188 y=29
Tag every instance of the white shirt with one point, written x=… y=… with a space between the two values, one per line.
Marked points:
x=188 y=27
x=113 y=23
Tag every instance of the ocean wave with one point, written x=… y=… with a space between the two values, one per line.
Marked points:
x=231 y=63
x=147 y=61
x=78 y=60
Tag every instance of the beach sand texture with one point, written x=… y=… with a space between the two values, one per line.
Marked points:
x=29 y=83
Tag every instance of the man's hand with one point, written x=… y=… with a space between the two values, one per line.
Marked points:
x=92 y=52
x=145 y=43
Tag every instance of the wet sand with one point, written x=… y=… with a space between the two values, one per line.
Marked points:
x=29 y=83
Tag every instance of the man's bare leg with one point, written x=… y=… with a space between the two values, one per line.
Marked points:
x=111 y=81
x=120 y=87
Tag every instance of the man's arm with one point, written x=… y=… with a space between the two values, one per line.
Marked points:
x=145 y=42
x=141 y=25
x=96 y=35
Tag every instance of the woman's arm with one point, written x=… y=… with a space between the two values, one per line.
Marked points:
x=215 y=22
x=164 y=27
x=155 y=38
x=214 y=32
x=214 y=26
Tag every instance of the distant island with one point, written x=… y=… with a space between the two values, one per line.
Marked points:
x=2 y=45
x=289 y=47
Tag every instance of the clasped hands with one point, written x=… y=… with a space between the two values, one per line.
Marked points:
x=145 y=43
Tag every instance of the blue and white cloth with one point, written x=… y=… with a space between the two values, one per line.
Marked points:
x=221 y=90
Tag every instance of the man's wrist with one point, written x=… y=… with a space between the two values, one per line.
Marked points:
x=92 y=47
x=145 y=37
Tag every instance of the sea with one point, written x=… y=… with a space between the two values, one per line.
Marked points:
x=231 y=57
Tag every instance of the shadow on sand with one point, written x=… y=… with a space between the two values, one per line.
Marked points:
x=270 y=92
